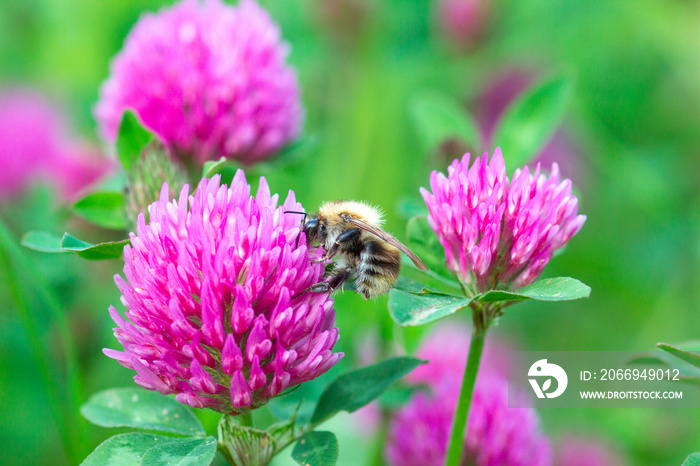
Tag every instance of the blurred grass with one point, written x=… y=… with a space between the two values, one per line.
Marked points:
x=634 y=119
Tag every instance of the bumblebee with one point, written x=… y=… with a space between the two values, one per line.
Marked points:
x=350 y=232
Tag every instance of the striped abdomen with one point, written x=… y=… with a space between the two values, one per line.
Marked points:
x=377 y=269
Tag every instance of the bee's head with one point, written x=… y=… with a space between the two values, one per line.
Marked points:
x=315 y=231
x=314 y=228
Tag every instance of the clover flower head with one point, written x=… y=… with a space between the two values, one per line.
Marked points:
x=496 y=435
x=210 y=79
x=211 y=295
x=499 y=233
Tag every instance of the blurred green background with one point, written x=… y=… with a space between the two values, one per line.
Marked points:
x=630 y=136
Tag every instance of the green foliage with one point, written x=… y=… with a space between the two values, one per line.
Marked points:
x=673 y=357
x=437 y=118
x=45 y=241
x=106 y=209
x=124 y=449
x=181 y=452
x=316 y=448
x=531 y=120
x=131 y=140
x=152 y=450
x=410 y=307
x=108 y=250
x=546 y=289
x=142 y=409
x=424 y=307
x=684 y=355
x=692 y=460
x=356 y=388
x=223 y=167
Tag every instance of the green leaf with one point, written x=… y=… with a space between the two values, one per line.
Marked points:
x=134 y=407
x=124 y=449
x=109 y=250
x=411 y=309
x=106 y=209
x=131 y=140
x=437 y=118
x=43 y=241
x=209 y=168
x=223 y=167
x=181 y=452
x=410 y=286
x=355 y=389
x=687 y=356
x=531 y=120
x=692 y=460
x=547 y=289
x=687 y=372
x=316 y=448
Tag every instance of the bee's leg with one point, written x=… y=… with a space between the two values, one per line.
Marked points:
x=336 y=281
x=347 y=241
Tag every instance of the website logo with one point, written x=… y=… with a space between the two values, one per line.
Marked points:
x=542 y=369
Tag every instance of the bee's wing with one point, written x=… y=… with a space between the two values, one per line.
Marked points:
x=383 y=235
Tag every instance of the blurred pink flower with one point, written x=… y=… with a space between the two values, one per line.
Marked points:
x=499 y=233
x=79 y=166
x=208 y=290
x=445 y=349
x=35 y=146
x=209 y=78
x=463 y=22
x=496 y=435
x=585 y=451
x=499 y=92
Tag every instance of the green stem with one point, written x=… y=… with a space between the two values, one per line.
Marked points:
x=65 y=413
x=459 y=426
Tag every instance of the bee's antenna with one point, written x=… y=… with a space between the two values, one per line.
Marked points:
x=305 y=214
